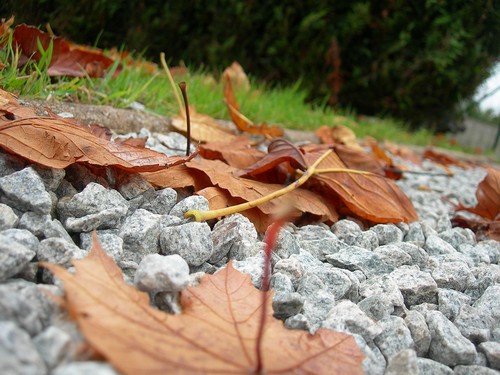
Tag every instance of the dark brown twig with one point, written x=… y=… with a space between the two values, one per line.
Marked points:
x=182 y=86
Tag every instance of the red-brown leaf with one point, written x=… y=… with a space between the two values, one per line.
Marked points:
x=237 y=153
x=215 y=333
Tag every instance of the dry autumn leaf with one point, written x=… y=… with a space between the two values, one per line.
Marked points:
x=367 y=195
x=243 y=123
x=216 y=332
x=67 y=59
x=203 y=127
x=338 y=134
x=237 y=76
x=238 y=153
x=57 y=142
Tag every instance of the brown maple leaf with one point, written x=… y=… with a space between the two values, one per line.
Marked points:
x=215 y=333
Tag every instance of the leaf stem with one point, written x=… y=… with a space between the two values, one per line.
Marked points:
x=270 y=240
x=207 y=215
x=172 y=83
x=182 y=86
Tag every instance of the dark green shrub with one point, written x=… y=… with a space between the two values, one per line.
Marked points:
x=415 y=60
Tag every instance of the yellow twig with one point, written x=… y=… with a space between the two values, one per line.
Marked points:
x=207 y=215
x=172 y=83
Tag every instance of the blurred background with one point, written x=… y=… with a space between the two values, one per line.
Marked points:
x=422 y=61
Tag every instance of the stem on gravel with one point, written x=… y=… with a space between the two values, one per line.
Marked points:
x=270 y=239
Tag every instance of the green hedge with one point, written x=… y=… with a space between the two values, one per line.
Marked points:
x=413 y=59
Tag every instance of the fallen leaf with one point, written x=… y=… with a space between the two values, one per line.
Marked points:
x=57 y=142
x=243 y=123
x=67 y=59
x=215 y=333
x=338 y=134
x=238 y=153
x=357 y=158
x=403 y=152
x=488 y=196
x=177 y=177
x=222 y=175
x=279 y=151
x=203 y=127
x=237 y=76
x=369 y=196
x=443 y=159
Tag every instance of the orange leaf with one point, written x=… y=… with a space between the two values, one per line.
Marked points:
x=203 y=127
x=444 y=159
x=216 y=332
x=243 y=123
x=372 y=197
x=303 y=200
x=57 y=142
x=237 y=76
x=338 y=134
x=238 y=153
x=67 y=59
x=488 y=196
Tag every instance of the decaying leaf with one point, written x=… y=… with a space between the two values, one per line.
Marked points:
x=56 y=142
x=367 y=195
x=67 y=59
x=243 y=123
x=338 y=134
x=238 y=153
x=203 y=127
x=237 y=76
x=442 y=158
x=216 y=332
x=488 y=196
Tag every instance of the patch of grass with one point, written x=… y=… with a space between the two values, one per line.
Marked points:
x=285 y=106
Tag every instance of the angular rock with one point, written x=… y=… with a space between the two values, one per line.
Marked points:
x=475 y=324
x=286 y=305
x=490 y=301
x=395 y=336
x=473 y=370
x=353 y=292
x=26 y=190
x=367 y=240
x=18 y=355
x=336 y=281
x=448 y=346
x=374 y=362
x=110 y=241
x=385 y=286
x=310 y=284
x=393 y=256
x=194 y=202
x=458 y=236
x=10 y=163
x=453 y=275
x=292 y=268
x=14 y=256
x=404 y=362
x=346 y=230
x=377 y=307
x=450 y=301
x=132 y=185
x=416 y=286
x=415 y=234
x=140 y=233
x=316 y=307
x=387 y=233
x=435 y=245
x=307 y=260
x=160 y=273
x=419 y=330
x=443 y=224
x=14 y=308
x=53 y=344
x=492 y=351
x=418 y=255
x=23 y=236
x=428 y=366
x=286 y=244
x=192 y=241
x=94 y=208
x=319 y=241
x=486 y=276
x=58 y=251
x=8 y=218
x=234 y=236
x=51 y=177
x=478 y=254
x=492 y=247
x=85 y=368
x=298 y=321
x=43 y=226
x=159 y=201
x=347 y=317
x=355 y=258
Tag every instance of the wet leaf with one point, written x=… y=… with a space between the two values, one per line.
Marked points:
x=215 y=333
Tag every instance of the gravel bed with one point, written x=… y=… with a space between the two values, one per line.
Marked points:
x=420 y=298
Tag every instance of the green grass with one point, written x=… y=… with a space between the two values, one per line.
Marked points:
x=285 y=106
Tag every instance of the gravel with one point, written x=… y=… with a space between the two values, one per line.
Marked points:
x=419 y=298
